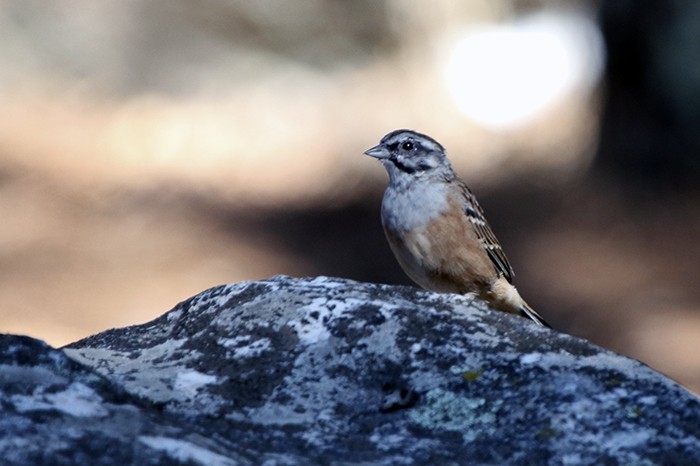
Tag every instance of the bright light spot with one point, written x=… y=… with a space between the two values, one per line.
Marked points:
x=501 y=76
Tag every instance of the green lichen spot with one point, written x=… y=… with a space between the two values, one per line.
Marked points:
x=634 y=411
x=470 y=376
x=613 y=382
x=546 y=432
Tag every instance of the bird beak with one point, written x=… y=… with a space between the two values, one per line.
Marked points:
x=378 y=152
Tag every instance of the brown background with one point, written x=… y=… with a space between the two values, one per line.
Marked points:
x=152 y=149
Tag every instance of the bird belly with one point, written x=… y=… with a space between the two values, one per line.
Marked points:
x=412 y=251
x=442 y=256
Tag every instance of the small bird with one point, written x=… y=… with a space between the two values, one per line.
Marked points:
x=437 y=229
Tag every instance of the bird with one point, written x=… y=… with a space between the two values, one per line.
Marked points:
x=437 y=229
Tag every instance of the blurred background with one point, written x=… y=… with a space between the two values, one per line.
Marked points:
x=150 y=149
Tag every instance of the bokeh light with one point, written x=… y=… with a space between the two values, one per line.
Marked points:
x=505 y=74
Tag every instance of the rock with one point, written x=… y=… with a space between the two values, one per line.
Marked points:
x=56 y=411
x=329 y=371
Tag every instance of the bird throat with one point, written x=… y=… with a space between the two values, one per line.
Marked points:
x=409 y=203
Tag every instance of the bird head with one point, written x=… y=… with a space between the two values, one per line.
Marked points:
x=407 y=152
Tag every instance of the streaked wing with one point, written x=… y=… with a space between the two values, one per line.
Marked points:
x=488 y=240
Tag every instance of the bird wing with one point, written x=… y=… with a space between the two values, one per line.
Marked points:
x=485 y=235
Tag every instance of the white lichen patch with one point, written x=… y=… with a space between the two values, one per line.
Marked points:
x=311 y=324
x=162 y=382
x=311 y=327
x=123 y=362
x=628 y=439
x=174 y=316
x=327 y=283
x=189 y=382
x=530 y=358
x=229 y=291
x=77 y=400
x=627 y=367
x=183 y=451
x=241 y=346
x=387 y=438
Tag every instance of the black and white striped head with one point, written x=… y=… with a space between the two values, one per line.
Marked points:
x=407 y=152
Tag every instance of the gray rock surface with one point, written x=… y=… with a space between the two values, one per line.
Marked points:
x=54 y=411
x=329 y=371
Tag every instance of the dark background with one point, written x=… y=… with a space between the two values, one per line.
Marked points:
x=152 y=149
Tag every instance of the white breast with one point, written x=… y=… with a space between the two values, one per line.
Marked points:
x=413 y=203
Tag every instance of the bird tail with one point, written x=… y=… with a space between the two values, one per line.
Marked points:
x=530 y=313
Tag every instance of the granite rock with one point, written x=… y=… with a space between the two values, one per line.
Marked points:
x=329 y=371
x=55 y=411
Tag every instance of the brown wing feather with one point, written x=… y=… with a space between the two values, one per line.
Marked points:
x=486 y=237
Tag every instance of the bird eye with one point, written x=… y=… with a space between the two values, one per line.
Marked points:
x=407 y=146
